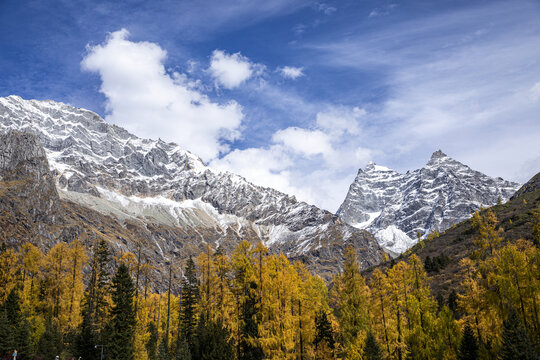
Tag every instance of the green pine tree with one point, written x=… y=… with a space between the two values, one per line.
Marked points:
x=23 y=341
x=323 y=330
x=13 y=309
x=372 y=351
x=163 y=352
x=121 y=328
x=7 y=342
x=468 y=350
x=100 y=286
x=452 y=302
x=190 y=298
x=151 y=344
x=182 y=351
x=86 y=338
x=250 y=328
x=516 y=343
x=212 y=342
x=50 y=344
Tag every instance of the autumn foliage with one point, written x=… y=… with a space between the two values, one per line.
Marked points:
x=251 y=304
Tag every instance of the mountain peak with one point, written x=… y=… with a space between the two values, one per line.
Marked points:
x=395 y=207
x=371 y=166
x=438 y=154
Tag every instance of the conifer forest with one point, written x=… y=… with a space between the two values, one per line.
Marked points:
x=72 y=302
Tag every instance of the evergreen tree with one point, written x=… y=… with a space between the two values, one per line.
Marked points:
x=50 y=344
x=323 y=330
x=95 y=300
x=86 y=338
x=15 y=326
x=189 y=299
x=212 y=341
x=440 y=302
x=163 y=353
x=516 y=343
x=151 y=344
x=468 y=349
x=121 y=327
x=249 y=350
x=23 y=341
x=428 y=264
x=182 y=351
x=7 y=342
x=452 y=301
x=372 y=351
x=13 y=309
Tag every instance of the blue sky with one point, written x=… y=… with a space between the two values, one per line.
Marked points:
x=294 y=94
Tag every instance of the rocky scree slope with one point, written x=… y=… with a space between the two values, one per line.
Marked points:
x=396 y=207
x=104 y=168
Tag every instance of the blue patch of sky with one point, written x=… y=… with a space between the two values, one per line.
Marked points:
x=350 y=50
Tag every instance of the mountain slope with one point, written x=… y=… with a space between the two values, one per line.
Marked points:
x=395 y=207
x=516 y=220
x=104 y=168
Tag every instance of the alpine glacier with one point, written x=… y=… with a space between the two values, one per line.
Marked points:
x=397 y=207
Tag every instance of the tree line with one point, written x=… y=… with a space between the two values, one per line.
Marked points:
x=251 y=304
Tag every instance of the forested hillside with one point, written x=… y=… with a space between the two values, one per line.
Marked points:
x=253 y=305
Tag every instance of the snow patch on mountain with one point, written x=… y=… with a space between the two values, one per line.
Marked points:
x=396 y=207
x=106 y=168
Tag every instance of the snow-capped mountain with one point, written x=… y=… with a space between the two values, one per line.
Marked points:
x=396 y=207
x=105 y=168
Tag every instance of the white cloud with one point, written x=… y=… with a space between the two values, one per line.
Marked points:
x=145 y=99
x=264 y=167
x=382 y=11
x=452 y=84
x=231 y=70
x=302 y=141
x=326 y=9
x=317 y=165
x=291 y=72
x=341 y=120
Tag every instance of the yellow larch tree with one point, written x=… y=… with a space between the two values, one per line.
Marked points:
x=381 y=319
x=31 y=259
x=278 y=326
x=350 y=297
x=312 y=298
x=9 y=266
x=208 y=284
x=399 y=286
x=76 y=261
x=421 y=312
x=224 y=297
x=489 y=237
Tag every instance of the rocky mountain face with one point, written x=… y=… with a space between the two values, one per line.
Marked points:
x=161 y=188
x=517 y=219
x=396 y=207
x=23 y=165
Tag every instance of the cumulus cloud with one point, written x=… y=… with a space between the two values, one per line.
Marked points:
x=303 y=141
x=147 y=100
x=291 y=72
x=231 y=70
x=316 y=164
